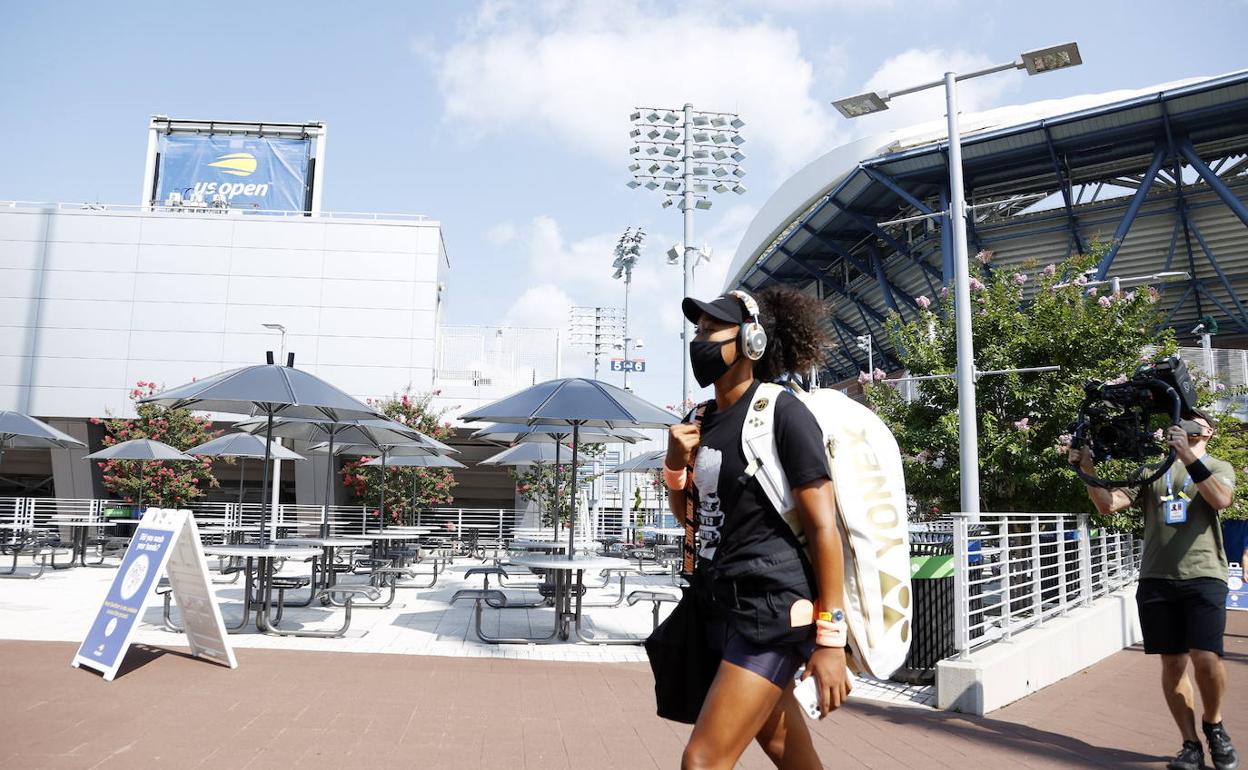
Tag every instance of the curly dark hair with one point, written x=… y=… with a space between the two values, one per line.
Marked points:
x=796 y=339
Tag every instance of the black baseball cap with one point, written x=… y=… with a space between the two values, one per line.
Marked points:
x=725 y=308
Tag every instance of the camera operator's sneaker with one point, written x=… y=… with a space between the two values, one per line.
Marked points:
x=1221 y=751
x=1190 y=757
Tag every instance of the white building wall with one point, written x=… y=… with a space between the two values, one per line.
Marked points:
x=92 y=301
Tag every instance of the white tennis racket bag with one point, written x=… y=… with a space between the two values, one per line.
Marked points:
x=871 y=514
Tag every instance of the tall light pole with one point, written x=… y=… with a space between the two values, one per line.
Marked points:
x=688 y=153
x=1035 y=62
x=627 y=252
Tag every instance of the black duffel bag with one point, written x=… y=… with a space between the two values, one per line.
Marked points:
x=682 y=661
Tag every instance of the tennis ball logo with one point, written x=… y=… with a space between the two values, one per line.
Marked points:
x=236 y=164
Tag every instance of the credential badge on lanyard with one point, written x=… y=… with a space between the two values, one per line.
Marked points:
x=1175 y=506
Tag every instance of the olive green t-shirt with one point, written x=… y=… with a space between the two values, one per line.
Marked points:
x=1183 y=551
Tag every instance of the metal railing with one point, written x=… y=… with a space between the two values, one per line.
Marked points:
x=206 y=210
x=1014 y=571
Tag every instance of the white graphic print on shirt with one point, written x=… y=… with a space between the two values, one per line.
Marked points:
x=710 y=517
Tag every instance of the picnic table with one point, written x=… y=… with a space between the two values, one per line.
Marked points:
x=258 y=588
x=568 y=578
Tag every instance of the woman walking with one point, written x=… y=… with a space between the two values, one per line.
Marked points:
x=772 y=601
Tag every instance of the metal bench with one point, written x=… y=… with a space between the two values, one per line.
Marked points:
x=501 y=574
x=657 y=598
x=480 y=597
x=348 y=594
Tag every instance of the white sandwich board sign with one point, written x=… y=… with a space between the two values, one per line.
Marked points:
x=166 y=541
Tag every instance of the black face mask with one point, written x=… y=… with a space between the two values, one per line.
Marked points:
x=707 y=362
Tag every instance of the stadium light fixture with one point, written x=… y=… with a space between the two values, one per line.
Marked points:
x=682 y=143
x=1035 y=62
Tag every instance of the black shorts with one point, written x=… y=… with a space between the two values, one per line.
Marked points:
x=1177 y=616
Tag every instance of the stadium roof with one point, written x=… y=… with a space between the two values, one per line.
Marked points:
x=1045 y=179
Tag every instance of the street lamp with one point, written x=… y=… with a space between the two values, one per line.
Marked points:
x=281 y=359
x=688 y=154
x=1035 y=62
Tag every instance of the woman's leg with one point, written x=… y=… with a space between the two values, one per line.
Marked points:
x=786 y=738
x=739 y=704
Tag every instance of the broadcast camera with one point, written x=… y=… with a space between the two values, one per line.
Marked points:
x=1115 y=419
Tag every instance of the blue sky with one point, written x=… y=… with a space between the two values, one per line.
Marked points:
x=508 y=121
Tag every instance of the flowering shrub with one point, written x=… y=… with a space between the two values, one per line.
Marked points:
x=539 y=483
x=166 y=483
x=1020 y=416
x=432 y=485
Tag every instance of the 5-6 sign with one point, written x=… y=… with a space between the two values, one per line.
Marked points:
x=636 y=365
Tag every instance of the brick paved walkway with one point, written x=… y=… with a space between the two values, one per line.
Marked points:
x=329 y=709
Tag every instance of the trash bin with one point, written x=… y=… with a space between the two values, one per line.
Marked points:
x=931 y=622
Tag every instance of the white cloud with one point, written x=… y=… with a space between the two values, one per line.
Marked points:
x=541 y=306
x=575 y=71
x=560 y=273
x=501 y=233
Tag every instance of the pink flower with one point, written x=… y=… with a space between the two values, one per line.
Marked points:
x=984 y=256
x=976 y=284
x=1128 y=297
x=1153 y=295
x=1020 y=278
x=1050 y=270
x=1219 y=387
x=863 y=378
x=878 y=374
x=1104 y=302
x=923 y=302
x=944 y=292
x=1023 y=424
x=1081 y=281
x=1092 y=292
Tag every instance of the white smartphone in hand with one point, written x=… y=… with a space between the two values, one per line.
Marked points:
x=806 y=694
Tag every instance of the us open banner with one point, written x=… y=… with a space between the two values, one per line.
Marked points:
x=249 y=172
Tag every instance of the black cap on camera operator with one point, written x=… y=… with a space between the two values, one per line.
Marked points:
x=1183 y=573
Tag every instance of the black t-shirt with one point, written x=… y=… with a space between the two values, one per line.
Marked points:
x=736 y=521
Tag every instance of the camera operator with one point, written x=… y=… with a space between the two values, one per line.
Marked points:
x=1183 y=581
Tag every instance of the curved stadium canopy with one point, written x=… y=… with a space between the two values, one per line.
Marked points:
x=1159 y=174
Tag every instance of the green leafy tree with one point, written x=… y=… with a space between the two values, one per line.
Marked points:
x=1230 y=443
x=165 y=483
x=549 y=488
x=1022 y=417
x=408 y=490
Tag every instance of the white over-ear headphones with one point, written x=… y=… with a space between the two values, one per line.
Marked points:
x=753 y=336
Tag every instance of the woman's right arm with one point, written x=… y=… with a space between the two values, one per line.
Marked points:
x=682 y=442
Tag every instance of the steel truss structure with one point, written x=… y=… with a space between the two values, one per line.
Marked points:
x=1162 y=178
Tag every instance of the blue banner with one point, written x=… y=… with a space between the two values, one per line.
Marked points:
x=140 y=569
x=248 y=172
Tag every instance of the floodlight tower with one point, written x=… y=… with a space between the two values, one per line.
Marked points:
x=627 y=252
x=688 y=153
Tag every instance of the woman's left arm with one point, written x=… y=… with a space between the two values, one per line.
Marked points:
x=816 y=509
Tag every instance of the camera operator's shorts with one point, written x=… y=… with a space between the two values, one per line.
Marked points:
x=1181 y=615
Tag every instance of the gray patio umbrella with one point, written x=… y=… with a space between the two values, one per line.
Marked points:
x=529 y=454
x=143 y=450
x=21 y=430
x=268 y=390
x=409 y=448
x=242 y=446
x=649 y=461
x=368 y=432
x=414 y=461
x=577 y=402
x=511 y=433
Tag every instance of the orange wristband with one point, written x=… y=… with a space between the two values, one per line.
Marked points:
x=675 y=480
